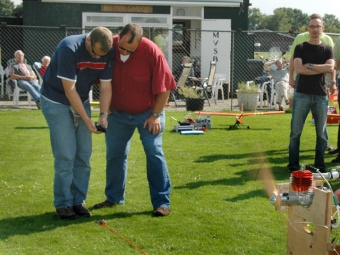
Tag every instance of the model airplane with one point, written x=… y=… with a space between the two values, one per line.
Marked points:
x=238 y=116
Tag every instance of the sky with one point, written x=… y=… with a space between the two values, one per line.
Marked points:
x=306 y=6
x=16 y=2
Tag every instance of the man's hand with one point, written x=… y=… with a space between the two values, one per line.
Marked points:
x=292 y=82
x=91 y=126
x=332 y=88
x=154 y=125
x=103 y=121
x=13 y=76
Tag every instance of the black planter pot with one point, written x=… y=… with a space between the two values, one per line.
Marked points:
x=194 y=104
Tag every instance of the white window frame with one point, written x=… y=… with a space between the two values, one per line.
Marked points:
x=127 y=19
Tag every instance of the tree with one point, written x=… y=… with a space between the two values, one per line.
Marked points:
x=18 y=7
x=255 y=18
x=6 y=8
x=331 y=23
x=285 y=19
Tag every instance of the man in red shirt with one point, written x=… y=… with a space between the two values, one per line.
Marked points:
x=141 y=84
x=45 y=61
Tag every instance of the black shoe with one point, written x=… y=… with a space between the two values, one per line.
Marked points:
x=104 y=204
x=290 y=170
x=336 y=160
x=81 y=210
x=333 y=151
x=66 y=213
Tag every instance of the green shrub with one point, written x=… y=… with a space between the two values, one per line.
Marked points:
x=243 y=87
x=189 y=92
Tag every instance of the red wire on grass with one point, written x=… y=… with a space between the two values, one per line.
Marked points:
x=103 y=224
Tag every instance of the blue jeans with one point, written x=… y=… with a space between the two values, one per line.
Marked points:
x=72 y=148
x=121 y=127
x=303 y=103
x=326 y=130
x=31 y=87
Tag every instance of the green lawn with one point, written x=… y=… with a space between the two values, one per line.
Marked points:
x=217 y=204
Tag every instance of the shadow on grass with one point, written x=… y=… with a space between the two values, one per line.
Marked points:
x=255 y=162
x=25 y=225
x=247 y=196
x=31 y=128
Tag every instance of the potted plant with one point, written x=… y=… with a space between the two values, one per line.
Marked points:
x=193 y=99
x=248 y=96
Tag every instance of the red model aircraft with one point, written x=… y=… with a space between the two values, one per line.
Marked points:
x=238 y=116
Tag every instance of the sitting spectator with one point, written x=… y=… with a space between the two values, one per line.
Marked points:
x=281 y=79
x=25 y=76
x=179 y=69
x=45 y=61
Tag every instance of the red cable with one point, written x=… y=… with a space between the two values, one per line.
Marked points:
x=103 y=224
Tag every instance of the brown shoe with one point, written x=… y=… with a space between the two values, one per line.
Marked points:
x=81 y=210
x=104 y=204
x=161 y=211
x=66 y=213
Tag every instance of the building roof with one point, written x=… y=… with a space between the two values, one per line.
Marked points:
x=208 y=3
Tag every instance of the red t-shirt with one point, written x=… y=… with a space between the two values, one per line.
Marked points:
x=42 y=70
x=137 y=81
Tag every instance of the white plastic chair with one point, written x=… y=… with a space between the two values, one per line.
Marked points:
x=12 y=89
x=218 y=85
x=264 y=89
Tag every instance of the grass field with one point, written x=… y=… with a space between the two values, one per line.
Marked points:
x=217 y=204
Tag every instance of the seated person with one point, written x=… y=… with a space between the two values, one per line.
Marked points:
x=25 y=76
x=179 y=69
x=281 y=79
x=45 y=61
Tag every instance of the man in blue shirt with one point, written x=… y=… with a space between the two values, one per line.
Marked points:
x=78 y=61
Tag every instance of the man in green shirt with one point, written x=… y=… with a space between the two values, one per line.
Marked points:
x=336 y=51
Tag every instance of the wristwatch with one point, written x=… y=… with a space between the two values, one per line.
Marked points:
x=310 y=65
x=156 y=115
x=333 y=81
x=104 y=113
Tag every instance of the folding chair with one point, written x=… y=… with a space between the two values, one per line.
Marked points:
x=206 y=84
x=182 y=79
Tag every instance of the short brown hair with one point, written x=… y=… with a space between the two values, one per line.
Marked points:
x=103 y=36
x=133 y=29
x=315 y=16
